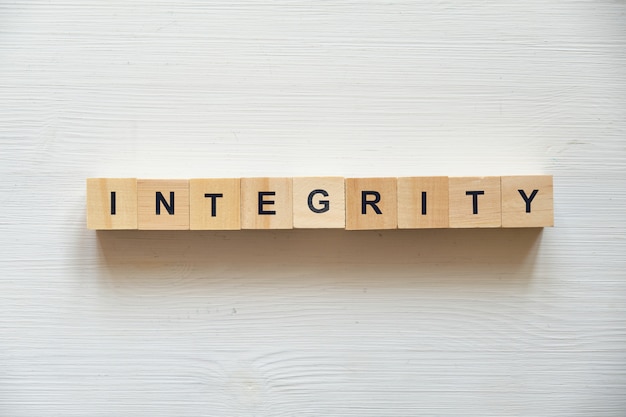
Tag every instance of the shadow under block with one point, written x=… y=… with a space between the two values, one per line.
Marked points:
x=475 y=202
x=266 y=203
x=527 y=201
x=371 y=203
x=423 y=202
x=214 y=204
x=319 y=203
x=112 y=203
x=163 y=204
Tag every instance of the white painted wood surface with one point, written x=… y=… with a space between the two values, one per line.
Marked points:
x=320 y=322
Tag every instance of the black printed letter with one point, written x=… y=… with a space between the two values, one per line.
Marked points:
x=475 y=195
x=262 y=202
x=528 y=200
x=160 y=199
x=325 y=203
x=365 y=202
x=113 y=202
x=213 y=198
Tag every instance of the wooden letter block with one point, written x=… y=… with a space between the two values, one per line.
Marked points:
x=111 y=203
x=423 y=202
x=527 y=201
x=371 y=203
x=163 y=204
x=214 y=204
x=475 y=202
x=266 y=203
x=319 y=203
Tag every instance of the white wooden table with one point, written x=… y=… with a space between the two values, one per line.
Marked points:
x=312 y=323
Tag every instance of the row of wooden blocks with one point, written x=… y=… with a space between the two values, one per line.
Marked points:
x=320 y=202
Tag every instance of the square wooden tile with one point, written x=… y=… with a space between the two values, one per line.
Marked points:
x=475 y=202
x=214 y=204
x=319 y=203
x=527 y=201
x=423 y=202
x=111 y=203
x=163 y=204
x=371 y=203
x=266 y=203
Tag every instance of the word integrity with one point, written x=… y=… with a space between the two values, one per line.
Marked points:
x=320 y=202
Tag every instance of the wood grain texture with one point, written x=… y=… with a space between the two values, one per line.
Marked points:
x=527 y=201
x=319 y=203
x=423 y=203
x=475 y=202
x=267 y=203
x=506 y=322
x=215 y=204
x=371 y=203
x=111 y=203
x=162 y=204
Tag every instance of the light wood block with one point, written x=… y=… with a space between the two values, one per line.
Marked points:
x=266 y=203
x=475 y=202
x=371 y=203
x=163 y=204
x=214 y=204
x=527 y=201
x=112 y=203
x=423 y=202
x=319 y=203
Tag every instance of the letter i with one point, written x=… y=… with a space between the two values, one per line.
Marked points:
x=112 y=202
